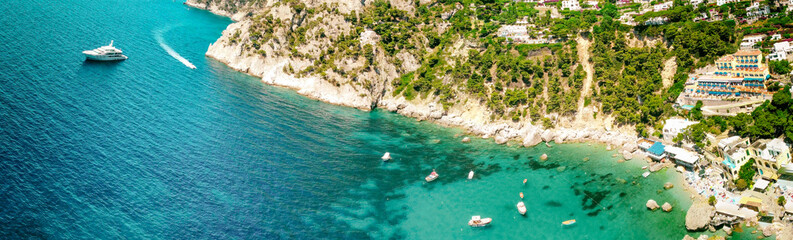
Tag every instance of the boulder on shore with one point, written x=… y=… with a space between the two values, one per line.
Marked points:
x=501 y=140
x=532 y=139
x=727 y=230
x=466 y=139
x=687 y=237
x=768 y=231
x=547 y=135
x=652 y=205
x=668 y=185
x=627 y=154
x=666 y=207
x=698 y=216
x=544 y=157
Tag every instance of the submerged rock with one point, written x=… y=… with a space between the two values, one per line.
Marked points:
x=666 y=207
x=561 y=169
x=544 y=157
x=668 y=185
x=466 y=139
x=651 y=204
x=698 y=216
x=586 y=159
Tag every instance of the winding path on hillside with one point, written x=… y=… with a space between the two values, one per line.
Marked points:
x=583 y=58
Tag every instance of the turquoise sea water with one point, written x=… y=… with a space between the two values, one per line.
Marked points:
x=150 y=149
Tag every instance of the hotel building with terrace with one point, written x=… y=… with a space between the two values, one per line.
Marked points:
x=742 y=74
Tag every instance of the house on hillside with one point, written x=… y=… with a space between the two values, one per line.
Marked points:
x=734 y=152
x=656 y=21
x=722 y=2
x=662 y=6
x=757 y=10
x=571 y=5
x=675 y=126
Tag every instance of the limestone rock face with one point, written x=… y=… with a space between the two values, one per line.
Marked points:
x=500 y=140
x=698 y=216
x=651 y=204
x=666 y=207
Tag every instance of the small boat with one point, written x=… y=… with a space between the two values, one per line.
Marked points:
x=386 y=157
x=522 y=208
x=471 y=174
x=432 y=176
x=477 y=221
x=524 y=180
x=568 y=222
x=645 y=174
x=521 y=195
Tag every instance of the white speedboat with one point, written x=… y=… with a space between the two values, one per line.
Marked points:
x=432 y=176
x=477 y=221
x=105 y=53
x=471 y=174
x=386 y=157
x=522 y=208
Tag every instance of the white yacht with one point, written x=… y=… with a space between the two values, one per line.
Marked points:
x=105 y=53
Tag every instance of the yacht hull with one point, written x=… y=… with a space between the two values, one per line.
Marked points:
x=92 y=57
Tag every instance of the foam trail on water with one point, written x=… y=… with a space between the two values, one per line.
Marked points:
x=174 y=54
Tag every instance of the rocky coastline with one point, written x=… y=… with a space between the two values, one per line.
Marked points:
x=469 y=115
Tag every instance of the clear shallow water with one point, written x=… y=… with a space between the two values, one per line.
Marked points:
x=148 y=148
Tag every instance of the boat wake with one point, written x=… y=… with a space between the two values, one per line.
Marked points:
x=174 y=54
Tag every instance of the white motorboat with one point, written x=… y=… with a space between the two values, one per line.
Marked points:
x=568 y=222
x=522 y=208
x=477 y=221
x=386 y=157
x=432 y=176
x=105 y=53
x=471 y=174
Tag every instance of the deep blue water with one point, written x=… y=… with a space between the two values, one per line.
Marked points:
x=150 y=149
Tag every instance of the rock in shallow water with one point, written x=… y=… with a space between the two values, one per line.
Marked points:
x=698 y=216
x=651 y=204
x=668 y=185
x=666 y=207
x=544 y=157
x=466 y=139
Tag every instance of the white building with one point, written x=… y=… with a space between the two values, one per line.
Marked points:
x=734 y=151
x=571 y=5
x=656 y=21
x=662 y=6
x=777 y=56
x=695 y=2
x=776 y=37
x=675 y=126
x=594 y=4
x=682 y=157
x=747 y=45
x=783 y=47
x=722 y=2
x=627 y=18
x=757 y=10
x=512 y=30
x=754 y=38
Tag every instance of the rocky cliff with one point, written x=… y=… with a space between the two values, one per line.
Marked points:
x=317 y=49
